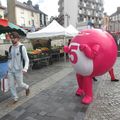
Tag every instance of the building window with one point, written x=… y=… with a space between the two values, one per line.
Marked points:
x=22 y=21
x=116 y=18
x=22 y=11
x=88 y=12
x=45 y=20
x=33 y=23
x=113 y=18
x=85 y=19
x=80 y=18
x=119 y=16
x=32 y=14
x=40 y=18
x=29 y=22
x=92 y=5
x=80 y=11
x=84 y=4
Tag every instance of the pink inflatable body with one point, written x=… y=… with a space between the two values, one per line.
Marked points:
x=92 y=52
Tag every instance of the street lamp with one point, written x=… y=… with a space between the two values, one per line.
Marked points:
x=67 y=18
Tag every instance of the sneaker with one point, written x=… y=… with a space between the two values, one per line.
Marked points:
x=27 y=92
x=15 y=100
x=115 y=80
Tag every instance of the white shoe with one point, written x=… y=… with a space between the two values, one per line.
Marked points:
x=15 y=100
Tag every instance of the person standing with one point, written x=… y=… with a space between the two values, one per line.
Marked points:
x=15 y=66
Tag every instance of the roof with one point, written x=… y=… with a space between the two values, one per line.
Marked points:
x=25 y=6
x=115 y=13
x=1 y=7
x=28 y=7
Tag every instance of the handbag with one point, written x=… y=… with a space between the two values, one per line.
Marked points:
x=5 y=84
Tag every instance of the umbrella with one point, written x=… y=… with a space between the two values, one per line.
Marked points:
x=6 y=26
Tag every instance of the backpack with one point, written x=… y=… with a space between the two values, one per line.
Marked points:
x=20 y=49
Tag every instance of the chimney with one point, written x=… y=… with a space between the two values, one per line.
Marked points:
x=118 y=9
x=36 y=7
x=29 y=2
x=11 y=11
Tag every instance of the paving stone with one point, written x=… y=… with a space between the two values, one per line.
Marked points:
x=43 y=113
x=107 y=99
x=16 y=114
x=7 y=117
x=30 y=118
x=79 y=116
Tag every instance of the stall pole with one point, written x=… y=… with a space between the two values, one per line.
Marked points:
x=64 y=52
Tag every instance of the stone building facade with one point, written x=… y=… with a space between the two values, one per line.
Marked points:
x=81 y=13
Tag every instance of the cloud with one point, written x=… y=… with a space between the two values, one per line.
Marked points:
x=50 y=8
x=41 y=1
x=110 y=6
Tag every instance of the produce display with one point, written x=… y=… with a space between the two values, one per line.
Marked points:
x=43 y=54
x=38 y=53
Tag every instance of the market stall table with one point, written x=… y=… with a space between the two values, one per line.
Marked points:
x=38 y=62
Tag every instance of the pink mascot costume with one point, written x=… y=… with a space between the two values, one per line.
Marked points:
x=92 y=52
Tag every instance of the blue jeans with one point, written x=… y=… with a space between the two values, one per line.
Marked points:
x=16 y=77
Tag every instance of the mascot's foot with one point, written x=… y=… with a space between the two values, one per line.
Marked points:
x=79 y=92
x=115 y=80
x=87 y=100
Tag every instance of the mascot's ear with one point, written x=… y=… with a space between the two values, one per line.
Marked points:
x=66 y=49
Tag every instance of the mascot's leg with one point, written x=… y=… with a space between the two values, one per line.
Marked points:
x=87 y=99
x=111 y=72
x=79 y=91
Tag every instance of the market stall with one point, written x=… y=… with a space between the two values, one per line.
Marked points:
x=6 y=27
x=53 y=31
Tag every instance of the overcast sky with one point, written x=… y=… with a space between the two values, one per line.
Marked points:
x=50 y=7
x=110 y=6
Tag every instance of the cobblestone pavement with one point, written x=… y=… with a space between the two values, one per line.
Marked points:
x=106 y=105
x=53 y=98
x=36 y=76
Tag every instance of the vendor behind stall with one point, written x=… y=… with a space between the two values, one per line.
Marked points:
x=49 y=44
x=37 y=45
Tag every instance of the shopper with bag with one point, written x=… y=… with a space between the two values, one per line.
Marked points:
x=17 y=56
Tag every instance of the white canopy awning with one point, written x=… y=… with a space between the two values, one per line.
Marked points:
x=72 y=30
x=53 y=30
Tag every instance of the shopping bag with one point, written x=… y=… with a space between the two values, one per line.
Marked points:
x=5 y=84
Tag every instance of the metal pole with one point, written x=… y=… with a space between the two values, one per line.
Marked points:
x=64 y=52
